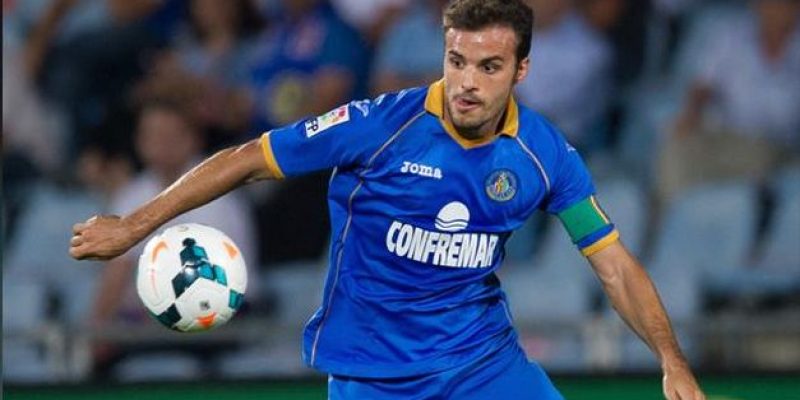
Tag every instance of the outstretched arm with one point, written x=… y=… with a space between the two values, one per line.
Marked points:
x=635 y=298
x=105 y=237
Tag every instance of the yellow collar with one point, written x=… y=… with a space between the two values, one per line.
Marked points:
x=434 y=104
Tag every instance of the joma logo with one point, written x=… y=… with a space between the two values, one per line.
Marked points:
x=421 y=170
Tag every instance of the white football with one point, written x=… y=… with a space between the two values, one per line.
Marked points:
x=191 y=277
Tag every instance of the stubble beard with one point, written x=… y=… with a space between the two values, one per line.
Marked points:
x=469 y=130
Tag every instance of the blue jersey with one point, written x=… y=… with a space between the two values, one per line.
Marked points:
x=419 y=220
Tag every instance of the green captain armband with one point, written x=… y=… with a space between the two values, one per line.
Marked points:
x=588 y=226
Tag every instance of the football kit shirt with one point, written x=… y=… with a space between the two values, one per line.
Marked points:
x=419 y=219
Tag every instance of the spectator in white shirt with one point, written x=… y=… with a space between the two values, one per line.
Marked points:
x=570 y=70
x=744 y=102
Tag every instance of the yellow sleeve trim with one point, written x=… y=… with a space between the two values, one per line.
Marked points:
x=601 y=244
x=269 y=157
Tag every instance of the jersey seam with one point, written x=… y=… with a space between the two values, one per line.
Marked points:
x=346 y=229
x=537 y=162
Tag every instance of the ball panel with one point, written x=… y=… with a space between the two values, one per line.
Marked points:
x=202 y=300
x=155 y=293
x=169 y=317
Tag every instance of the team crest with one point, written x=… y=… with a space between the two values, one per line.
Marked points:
x=501 y=185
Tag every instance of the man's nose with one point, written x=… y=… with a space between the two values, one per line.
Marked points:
x=468 y=80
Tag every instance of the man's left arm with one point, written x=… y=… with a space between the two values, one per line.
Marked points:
x=634 y=296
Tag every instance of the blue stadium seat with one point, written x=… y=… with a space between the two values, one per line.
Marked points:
x=782 y=252
x=704 y=238
x=285 y=281
x=39 y=250
x=777 y=270
x=708 y=233
x=540 y=299
x=787 y=182
x=649 y=108
x=24 y=308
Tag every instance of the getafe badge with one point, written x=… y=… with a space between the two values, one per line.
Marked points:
x=501 y=185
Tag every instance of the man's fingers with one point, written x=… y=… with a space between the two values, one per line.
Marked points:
x=684 y=393
x=81 y=226
x=89 y=239
x=78 y=228
x=77 y=252
x=671 y=394
x=84 y=251
x=76 y=240
x=688 y=393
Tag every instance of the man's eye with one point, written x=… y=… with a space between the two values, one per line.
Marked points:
x=456 y=62
x=490 y=68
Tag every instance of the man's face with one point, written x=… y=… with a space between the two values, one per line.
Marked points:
x=164 y=141
x=778 y=15
x=480 y=70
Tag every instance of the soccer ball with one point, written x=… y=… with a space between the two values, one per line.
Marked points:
x=191 y=277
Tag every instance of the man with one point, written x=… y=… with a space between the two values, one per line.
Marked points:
x=747 y=113
x=429 y=183
x=316 y=62
x=419 y=28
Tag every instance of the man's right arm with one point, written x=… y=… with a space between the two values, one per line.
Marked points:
x=105 y=237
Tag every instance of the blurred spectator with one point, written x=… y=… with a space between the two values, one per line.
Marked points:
x=396 y=67
x=316 y=63
x=84 y=53
x=30 y=125
x=209 y=58
x=372 y=18
x=168 y=144
x=37 y=252
x=743 y=105
x=666 y=24
x=33 y=132
x=673 y=7
x=571 y=72
x=41 y=286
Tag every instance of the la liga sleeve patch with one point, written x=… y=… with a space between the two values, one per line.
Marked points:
x=332 y=118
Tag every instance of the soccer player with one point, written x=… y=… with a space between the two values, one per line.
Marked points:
x=427 y=187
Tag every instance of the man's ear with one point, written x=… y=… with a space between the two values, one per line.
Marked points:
x=522 y=70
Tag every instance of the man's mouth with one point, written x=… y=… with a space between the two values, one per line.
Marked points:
x=466 y=103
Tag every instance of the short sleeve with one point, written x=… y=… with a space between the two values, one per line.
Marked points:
x=343 y=137
x=571 y=181
x=572 y=199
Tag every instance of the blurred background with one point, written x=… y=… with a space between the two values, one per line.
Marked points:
x=687 y=111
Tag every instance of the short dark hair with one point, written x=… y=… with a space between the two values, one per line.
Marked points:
x=473 y=15
x=172 y=106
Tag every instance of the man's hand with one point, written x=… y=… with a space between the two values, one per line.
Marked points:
x=679 y=383
x=101 y=238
